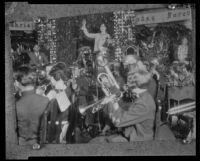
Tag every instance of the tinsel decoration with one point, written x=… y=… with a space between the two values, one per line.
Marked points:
x=124 y=23
x=46 y=29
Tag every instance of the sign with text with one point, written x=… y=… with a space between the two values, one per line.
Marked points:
x=22 y=26
x=163 y=16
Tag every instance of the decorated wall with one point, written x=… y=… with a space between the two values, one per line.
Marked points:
x=154 y=35
x=70 y=38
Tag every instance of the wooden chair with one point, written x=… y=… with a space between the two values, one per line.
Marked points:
x=161 y=129
x=158 y=107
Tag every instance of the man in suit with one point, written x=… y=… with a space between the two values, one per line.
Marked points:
x=29 y=108
x=37 y=58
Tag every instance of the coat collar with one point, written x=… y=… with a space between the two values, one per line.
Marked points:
x=24 y=93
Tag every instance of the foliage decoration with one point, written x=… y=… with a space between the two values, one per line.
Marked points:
x=124 y=24
x=47 y=35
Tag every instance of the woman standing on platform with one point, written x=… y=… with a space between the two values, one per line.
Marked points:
x=100 y=38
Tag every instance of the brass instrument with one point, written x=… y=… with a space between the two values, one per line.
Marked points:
x=112 y=82
x=97 y=105
x=102 y=61
x=182 y=108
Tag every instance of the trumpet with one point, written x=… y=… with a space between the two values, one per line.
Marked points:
x=98 y=105
x=182 y=108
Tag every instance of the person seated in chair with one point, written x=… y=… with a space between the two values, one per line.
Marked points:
x=29 y=107
x=138 y=121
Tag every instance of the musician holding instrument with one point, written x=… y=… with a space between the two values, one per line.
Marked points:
x=137 y=122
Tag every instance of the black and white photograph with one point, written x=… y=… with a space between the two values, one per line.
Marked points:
x=100 y=80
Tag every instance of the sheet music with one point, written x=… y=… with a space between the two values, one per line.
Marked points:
x=63 y=101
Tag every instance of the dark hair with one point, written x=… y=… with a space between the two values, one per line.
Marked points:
x=188 y=67
x=58 y=74
x=60 y=65
x=130 y=50
x=14 y=46
x=25 y=47
x=25 y=75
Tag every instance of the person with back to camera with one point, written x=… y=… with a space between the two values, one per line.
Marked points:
x=29 y=108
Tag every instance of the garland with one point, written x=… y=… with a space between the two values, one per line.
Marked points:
x=124 y=24
x=46 y=29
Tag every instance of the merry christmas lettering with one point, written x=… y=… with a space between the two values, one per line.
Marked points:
x=163 y=16
x=22 y=26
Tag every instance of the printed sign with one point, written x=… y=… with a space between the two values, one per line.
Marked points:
x=163 y=16
x=22 y=26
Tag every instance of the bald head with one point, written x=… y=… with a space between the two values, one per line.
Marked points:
x=130 y=59
x=140 y=79
x=134 y=63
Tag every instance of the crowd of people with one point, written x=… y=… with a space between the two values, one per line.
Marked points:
x=53 y=88
x=27 y=54
x=54 y=104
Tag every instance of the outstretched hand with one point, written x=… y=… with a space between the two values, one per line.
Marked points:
x=83 y=24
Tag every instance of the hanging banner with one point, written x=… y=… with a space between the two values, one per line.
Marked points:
x=22 y=26
x=163 y=16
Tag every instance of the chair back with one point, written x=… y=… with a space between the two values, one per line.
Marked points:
x=157 y=102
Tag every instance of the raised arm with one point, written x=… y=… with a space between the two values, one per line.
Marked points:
x=85 y=31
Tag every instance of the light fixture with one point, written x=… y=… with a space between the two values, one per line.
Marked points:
x=172 y=6
x=38 y=20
